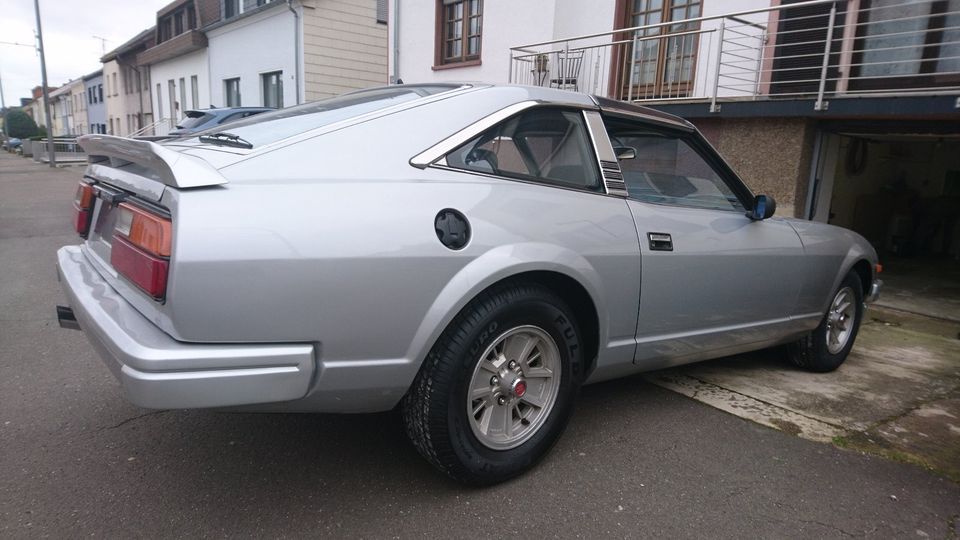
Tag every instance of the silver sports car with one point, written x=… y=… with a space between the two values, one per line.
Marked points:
x=469 y=253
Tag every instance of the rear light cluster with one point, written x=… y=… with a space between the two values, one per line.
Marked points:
x=141 y=248
x=83 y=204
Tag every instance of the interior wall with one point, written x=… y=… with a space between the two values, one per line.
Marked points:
x=900 y=188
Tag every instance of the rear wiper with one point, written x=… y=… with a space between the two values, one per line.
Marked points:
x=226 y=139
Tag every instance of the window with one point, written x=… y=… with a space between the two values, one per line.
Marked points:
x=906 y=45
x=382 y=11
x=545 y=144
x=659 y=66
x=116 y=90
x=231 y=8
x=459 y=32
x=172 y=96
x=667 y=170
x=99 y=93
x=272 y=87
x=194 y=93
x=231 y=92
x=159 y=103
x=269 y=127
x=183 y=94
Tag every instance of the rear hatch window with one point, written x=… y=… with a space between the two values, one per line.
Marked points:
x=194 y=119
x=271 y=127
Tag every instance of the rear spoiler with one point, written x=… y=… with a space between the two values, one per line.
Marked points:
x=173 y=168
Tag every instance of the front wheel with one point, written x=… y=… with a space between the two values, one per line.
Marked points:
x=498 y=388
x=827 y=347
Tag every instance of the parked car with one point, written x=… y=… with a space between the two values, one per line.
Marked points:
x=12 y=144
x=471 y=253
x=195 y=121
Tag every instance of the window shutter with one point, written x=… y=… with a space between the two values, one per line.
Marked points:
x=382 y=11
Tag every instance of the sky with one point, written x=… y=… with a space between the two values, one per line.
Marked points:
x=68 y=30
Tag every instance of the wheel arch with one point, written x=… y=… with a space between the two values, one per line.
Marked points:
x=865 y=273
x=564 y=272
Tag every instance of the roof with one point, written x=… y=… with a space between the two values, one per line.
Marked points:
x=131 y=44
x=93 y=75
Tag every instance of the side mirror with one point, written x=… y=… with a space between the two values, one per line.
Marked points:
x=625 y=152
x=764 y=206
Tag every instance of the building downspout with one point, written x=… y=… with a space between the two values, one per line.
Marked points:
x=296 y=47
x=395 y=23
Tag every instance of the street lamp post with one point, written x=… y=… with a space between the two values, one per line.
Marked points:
x=43 y=78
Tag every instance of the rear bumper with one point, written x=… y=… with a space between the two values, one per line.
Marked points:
x=159 y=372
x=874 y=294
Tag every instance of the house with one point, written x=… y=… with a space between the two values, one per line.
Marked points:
x=35 y=107
x=276 y=54
x=846 y=111
x=177 y=60
x=61 y=116
x=126 y=87
x=254 y=54
x=228 y=53
x=95 y=106
x=78 y=107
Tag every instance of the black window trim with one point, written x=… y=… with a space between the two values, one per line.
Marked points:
x=705 y=150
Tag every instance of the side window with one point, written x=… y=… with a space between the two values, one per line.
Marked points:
x=543 y=144
x=667 y=170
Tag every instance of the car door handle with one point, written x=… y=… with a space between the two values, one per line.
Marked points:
x=660 y=241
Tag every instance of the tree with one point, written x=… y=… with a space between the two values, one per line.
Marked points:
x=19 y=124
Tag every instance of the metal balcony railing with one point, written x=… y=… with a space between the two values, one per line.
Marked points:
x=818 y=49
x=161 y=127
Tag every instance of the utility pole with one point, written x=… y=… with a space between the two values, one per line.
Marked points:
x=43 y=78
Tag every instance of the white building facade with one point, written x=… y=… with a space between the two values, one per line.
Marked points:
x=471 y=40
x=253 y=58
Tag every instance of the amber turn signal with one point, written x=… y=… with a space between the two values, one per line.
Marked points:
x=145 y=230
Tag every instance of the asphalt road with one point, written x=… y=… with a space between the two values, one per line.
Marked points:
x=637 y=460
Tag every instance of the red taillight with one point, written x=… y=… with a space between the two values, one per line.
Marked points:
x=145 y=270
x=83 y=204
x=141 y=248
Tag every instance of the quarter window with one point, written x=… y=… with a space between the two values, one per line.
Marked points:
x=546 y=145
x=667 y=170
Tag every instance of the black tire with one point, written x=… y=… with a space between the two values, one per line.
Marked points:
x=811 y=352
x=434 y=409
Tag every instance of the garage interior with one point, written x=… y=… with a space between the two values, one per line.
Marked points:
x=899 y=187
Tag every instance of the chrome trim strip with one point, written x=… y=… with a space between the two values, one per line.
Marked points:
x=607 y=162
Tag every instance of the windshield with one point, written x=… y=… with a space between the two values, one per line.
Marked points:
x=194 y=119
x=270 y=127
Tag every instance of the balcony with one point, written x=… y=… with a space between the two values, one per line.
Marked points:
x=815 y=50
x=189 y=41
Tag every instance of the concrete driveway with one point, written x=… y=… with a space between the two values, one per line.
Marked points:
x=897 y=395
x=636 y=461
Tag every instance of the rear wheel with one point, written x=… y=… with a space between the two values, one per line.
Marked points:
x=497 y=389
x=826 y=348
